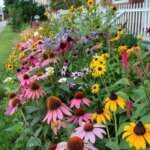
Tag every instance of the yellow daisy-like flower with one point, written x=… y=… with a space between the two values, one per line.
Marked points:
x=130 y=51
x=71 y=8
x=10 y=59
x=80 y=8
x=140 y=37
x=120 y=31
x=116 y=38
x=99 y=70
x=137 y=47
x=121 y=48
x=21 y=55
x=14 y=53
x=113 y=101
x=90 y=3
x=137 y=134
x=113 y=8
x=95 y=88
x=9 y=67
x=101 y=116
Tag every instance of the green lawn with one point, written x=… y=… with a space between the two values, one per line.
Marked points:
x=7 y=139
x=8 y=38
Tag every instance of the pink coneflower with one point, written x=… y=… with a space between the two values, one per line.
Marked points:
x=45 y=59
x=75 y=56
x=78 y=99
x=40 y=45
x=80 y=116
x=34 y=91
x=75 y=143
x=13 y=105
x=55 y=109
x=33 y=60
x=88 y=131
x=52 y=146
x=25 y=80
x=66 y=62
x=63 y=47
x=33 y=67
x=40 y=76
x=56 y=125
x=124 y=59
x=52 y=57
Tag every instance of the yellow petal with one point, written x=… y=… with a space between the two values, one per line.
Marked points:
x=147 y=126
x=94 y=116
x=121 y=102
x=140 y=143
x=107 y=105
x=147 y=137
x=125 y=134
x=99 y=119
x=128 y=128
x=103 y=119
x=113 y=106
x=107 y=115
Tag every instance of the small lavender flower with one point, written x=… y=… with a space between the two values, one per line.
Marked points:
x=71 y=85
x=76 y=74
x=64 y=70
x=86 y=70
x=85 y=39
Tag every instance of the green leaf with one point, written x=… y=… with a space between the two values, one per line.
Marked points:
x=37 y=132
x=33 y=141
x=120 y=130
x=145 y=119
x=124 y=145
x=35 y=120
x=112 y=145
x=30 y=109
x=14 y=128
x=123 y=81
x=64 y=87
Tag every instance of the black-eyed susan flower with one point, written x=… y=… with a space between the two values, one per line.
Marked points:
x=116 y=38
x=113 y=8
x=137 y=134
x=113 y=101
x=120 y=31
x=121 y=48
x=95 y=88
x=71 y=8
x=9 y=67
x=101 y=115
x=90 y=3
x=98 y=71
x=130 y=51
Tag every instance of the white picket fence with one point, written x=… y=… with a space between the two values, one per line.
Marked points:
x=137 y=18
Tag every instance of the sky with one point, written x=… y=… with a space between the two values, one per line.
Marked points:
x=1 y=3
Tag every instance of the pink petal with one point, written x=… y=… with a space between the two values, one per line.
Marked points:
x=98 y=133
x=65 y=111
x=54 y=115
x=59 y=114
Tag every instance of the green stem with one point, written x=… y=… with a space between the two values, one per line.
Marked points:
x=24 y=118
x=116 y=132
x=103 y=80
x=108 y=133
x=37 y=104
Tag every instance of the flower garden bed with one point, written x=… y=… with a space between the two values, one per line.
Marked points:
x=81 y=85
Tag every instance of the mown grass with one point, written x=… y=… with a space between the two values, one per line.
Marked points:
x=7 y=40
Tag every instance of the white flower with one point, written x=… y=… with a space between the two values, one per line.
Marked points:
x=7 y=79
x=40 y=28
x=49 y=71
x=62 y=80
x=36 y=34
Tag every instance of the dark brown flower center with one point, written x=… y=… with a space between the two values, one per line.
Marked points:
x=113 y=96
x=45 y=56
x=39 y=74
x=139 y=129
x=99 y=110
x=53 y=102
x=75 y=143
x=62 y=45
x=26 y=77
x=51 y=54
x=88 y=127
x=52 y=146
x=99 y=68
x=15 y=101
x=79 y=112
x=69 y=39
x=79 y=95
x=34 y=86
x=12 y=95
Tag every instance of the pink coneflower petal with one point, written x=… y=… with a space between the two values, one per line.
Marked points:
x=60 y=115
x=86 y=101
x=54 y=115
x=97 y=133
x=65 y=111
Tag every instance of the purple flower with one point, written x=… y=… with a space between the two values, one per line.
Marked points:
x=85 y=70
x=76 y=74
x=64 y=70
x=71 y=85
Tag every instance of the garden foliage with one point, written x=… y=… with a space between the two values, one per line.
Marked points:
x=82 y=80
